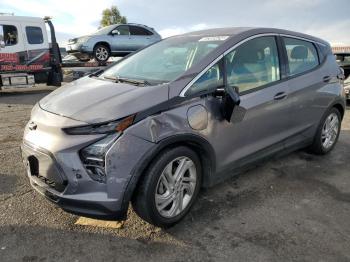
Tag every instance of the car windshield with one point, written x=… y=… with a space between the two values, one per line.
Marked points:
x=166 y=60
x=104 y=30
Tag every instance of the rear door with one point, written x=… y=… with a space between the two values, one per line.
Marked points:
x=11 y=35
x=36 y=43
x=140 y=36
x=35 y=36
x=306 y=78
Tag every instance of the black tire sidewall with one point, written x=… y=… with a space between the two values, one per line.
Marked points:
x=108 y=50
x=154 y=173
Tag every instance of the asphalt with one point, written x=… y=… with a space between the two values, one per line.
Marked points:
x=294 y=208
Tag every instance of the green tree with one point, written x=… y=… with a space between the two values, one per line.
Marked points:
x=111 y=16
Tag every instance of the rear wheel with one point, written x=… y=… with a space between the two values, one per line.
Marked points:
x=101 y=53
x=328 y=132
x=169 y=187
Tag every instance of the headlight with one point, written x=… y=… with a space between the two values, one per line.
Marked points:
x=102 y=128
x=93 y=157
x=83 y=39
x=72 y=41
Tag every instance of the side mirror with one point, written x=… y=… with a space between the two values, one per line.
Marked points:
x=115 y=32
x=2 y=44
x=230 y=100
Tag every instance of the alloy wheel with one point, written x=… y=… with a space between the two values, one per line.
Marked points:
x=330 y=131
x=101 y=53
x=176 y=187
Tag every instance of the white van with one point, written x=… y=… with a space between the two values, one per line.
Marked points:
x=25 y=53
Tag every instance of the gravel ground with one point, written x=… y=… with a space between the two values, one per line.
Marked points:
x=295 y=208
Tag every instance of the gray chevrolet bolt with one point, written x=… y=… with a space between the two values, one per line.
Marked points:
x=184 y=113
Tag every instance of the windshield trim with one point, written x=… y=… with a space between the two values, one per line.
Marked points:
x=112 y=27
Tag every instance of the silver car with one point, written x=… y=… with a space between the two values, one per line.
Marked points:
x=347 y=88
x=182 y=114
x=116 y=40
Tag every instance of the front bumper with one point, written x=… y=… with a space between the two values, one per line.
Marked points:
x=47 y=178
x=55 y=169
x=79 y=48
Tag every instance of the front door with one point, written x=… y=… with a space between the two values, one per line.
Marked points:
x=12 y=51
x=263 y=117
x=121 y=42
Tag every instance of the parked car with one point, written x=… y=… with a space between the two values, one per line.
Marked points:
x=117 y=40
x=347 y=87
x=343 y=60
x=179 y=115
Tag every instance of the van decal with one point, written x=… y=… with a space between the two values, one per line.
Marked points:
x=9 y=58
x=29 y=61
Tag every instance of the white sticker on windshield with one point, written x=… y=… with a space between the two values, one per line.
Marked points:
x=213 y=38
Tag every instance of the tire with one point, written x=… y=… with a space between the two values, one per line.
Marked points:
x=156 y=188
x=320 y=145
x=101 y=53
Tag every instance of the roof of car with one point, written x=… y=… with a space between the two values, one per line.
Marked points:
x=232 y=31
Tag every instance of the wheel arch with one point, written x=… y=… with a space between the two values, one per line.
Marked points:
x=103 y=43
x=340 y=108
x=202 y=147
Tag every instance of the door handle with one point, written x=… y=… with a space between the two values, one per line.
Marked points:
x=326 y=79
x=280 y=96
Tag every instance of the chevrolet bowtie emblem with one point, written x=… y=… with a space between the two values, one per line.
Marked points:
x=32 y=126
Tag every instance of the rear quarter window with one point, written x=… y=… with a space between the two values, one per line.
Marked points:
x=34 y=35
x=302 y=55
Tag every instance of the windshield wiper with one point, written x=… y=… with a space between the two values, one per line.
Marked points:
x=127 y=80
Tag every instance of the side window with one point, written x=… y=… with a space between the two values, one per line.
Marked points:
x=211 y=79
x=123 y=30
x=136 y=30
x=34 y=35
x=302 y=55
x=10 y=34
x=253 y=64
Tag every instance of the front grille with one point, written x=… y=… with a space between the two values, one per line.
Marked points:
x=41 y=164
x=52 y=184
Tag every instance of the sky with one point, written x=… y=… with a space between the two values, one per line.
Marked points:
x=327 y=19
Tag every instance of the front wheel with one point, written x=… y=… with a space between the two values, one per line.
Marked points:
x=327 y=133
x=169 y=187
x=101 y=53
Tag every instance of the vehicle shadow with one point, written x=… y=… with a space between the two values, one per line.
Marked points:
x=40 y=243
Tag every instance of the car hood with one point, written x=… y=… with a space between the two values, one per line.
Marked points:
x=93 y=100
